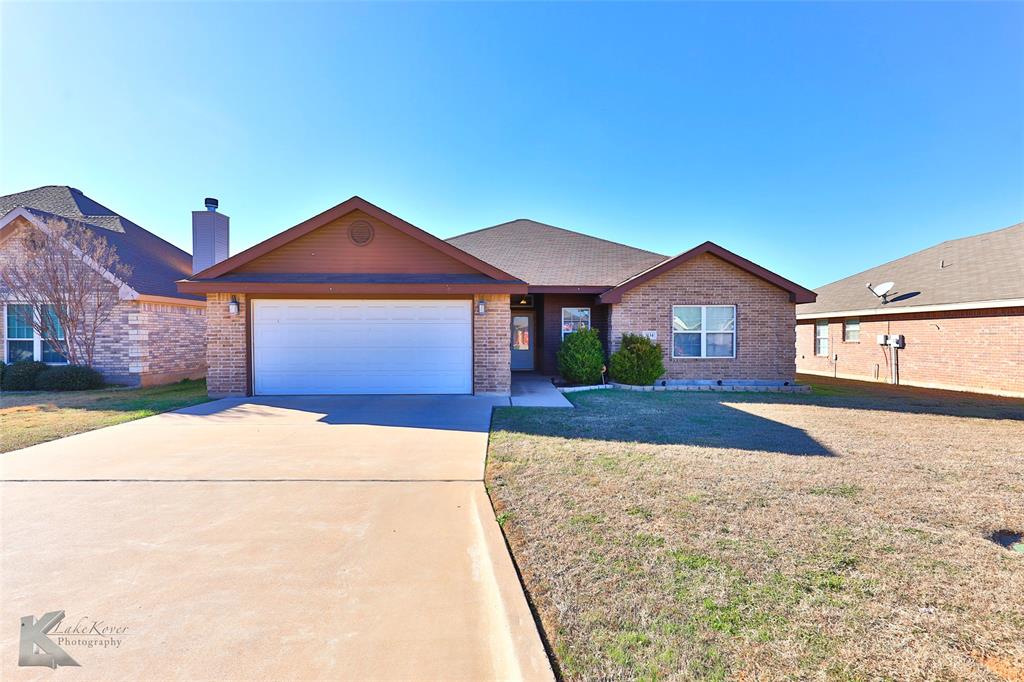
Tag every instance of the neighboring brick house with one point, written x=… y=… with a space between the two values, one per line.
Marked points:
x=356 y=300
x=958 y=306
x=155 y=335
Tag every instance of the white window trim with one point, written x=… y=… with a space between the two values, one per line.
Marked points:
x=37 y=340
x=846 y=322
x=828 y=341
x=590 y=321
x=703 y=332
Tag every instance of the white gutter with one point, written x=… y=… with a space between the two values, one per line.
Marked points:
x=937 y=308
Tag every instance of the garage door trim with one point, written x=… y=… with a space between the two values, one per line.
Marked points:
x=446 y=352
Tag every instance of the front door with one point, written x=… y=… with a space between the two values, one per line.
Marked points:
x=522 y=341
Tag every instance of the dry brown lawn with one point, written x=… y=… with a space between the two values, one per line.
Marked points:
x=38 y=416
x=838 y=535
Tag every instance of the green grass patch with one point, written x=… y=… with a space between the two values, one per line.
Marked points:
x=845 y=491
x=40 y=416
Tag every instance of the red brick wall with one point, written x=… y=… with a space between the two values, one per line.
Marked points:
x=171 y=339
x=228 y=338
x=227 y=343
x=970 y=350
x=550 y=324
x=492 y=354
x=765 y=320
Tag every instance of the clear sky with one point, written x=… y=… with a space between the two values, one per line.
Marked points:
x=815 y=139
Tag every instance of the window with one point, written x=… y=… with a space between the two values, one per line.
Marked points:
x=575 y=319
x=47 y=352
x=821 y=337
x=24 y=343
x=520 y=332
x=703 y=331
x=20 y=335
x=851 y=330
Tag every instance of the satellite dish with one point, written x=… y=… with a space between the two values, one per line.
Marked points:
x=880 y=290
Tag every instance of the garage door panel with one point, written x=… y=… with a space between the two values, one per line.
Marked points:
x=353 y=346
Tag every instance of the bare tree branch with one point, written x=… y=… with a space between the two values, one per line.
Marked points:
x=70 y=276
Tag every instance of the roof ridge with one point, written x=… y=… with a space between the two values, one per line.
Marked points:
x=972 y=236
x=124 y=221
x=560 y=229
x=90 y=218
x=483 y=229
x=33 y=189
x=918 y=252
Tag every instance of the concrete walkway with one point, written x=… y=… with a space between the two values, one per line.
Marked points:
x=289 y=538
x=535 y=390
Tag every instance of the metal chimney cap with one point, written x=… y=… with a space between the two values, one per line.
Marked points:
x=211 y=204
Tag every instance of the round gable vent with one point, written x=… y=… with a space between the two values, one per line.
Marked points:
x=360 y=232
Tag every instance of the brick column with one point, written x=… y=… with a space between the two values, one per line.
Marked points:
x=492 y=353
x=226 y=345
x=138 y=339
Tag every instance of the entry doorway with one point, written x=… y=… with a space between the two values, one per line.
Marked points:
x=523 y=341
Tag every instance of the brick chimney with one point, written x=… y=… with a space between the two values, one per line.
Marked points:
x=209 y=236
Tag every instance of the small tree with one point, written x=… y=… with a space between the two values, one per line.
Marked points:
x=581 y=357
x=71 y=277
x=637 y=362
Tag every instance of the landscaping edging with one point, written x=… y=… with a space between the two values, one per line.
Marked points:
x=577 y=389
x=747 y=388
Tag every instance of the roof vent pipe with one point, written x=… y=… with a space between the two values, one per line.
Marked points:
x=211 y=204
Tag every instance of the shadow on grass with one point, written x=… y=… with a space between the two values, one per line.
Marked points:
x=669 y=418
x=862 y=395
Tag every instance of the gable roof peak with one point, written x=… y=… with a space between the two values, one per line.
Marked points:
x=351 y=204
x=156 y=263
x=797 y=293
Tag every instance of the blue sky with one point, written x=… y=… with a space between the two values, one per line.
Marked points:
x=815 y=139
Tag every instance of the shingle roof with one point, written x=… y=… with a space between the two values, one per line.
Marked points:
x=544 y=255
x=351 y=278
x=985 y=267
x=797 y=293
x=156 y=264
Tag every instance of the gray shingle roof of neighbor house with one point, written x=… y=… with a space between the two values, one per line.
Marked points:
x=544 y=255
x=156 y=264
x=987 y=267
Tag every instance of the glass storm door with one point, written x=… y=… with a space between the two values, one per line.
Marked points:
x=522 y=341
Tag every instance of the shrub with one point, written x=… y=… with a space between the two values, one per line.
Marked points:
x=637 y=362
x=69 y=378
x=581 y=357
x=2 y=365
x=21 y=376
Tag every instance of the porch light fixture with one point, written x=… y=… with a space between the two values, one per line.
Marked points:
x=523 y=301
x=233 y=306
x=481 y=307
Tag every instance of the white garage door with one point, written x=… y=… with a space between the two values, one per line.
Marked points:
x=361 y=346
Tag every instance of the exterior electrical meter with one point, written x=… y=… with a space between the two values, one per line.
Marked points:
x=893 y=340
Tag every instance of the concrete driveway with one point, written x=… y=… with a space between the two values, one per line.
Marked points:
x=285 y=538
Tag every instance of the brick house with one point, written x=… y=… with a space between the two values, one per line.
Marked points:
x=356 y=300
x=954 y=319
x=155 y=335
